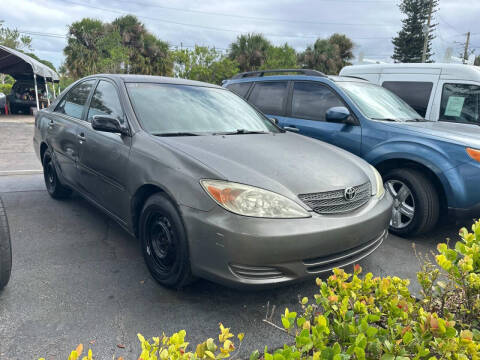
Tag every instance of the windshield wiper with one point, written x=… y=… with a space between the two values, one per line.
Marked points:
x=240 y=132
x=417 y=120
x=179 y=133
x=386 y=119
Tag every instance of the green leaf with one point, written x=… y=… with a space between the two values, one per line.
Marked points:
x=285 y=323
x=255 y=355
x=371 y=332
x=387 y=357
x=359 y=353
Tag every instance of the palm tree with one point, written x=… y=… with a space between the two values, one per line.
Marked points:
x=249 y=51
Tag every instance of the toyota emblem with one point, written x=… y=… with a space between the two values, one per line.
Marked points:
x=349 y=193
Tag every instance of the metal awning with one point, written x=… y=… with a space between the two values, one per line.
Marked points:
x=19 y=65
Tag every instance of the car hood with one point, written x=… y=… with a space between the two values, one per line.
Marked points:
x=286 y=163
x=465 y=134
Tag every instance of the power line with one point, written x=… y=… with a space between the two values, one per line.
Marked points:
x=210 y=27
x=263 y=18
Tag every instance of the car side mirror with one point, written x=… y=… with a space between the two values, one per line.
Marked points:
x=339 y=114
x=108 y=123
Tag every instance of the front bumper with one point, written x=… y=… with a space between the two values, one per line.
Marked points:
x=237 y=250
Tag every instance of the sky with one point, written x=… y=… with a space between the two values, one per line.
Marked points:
x=371 y=24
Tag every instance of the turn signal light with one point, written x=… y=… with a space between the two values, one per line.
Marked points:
x=474 y=154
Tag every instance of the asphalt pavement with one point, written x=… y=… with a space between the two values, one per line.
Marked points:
x=78 y=277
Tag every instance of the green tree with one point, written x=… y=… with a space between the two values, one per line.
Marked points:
x=203 y=64
x=280 y=57
x=250 y=51
x=408 y=44
x=477 y=60
x=13 y=39
x=123 y=46
x=327 y=55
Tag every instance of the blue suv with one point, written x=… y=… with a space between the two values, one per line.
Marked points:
x=430 y=168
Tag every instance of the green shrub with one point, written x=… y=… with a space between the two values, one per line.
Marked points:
x=356 y=317
x=5 y=88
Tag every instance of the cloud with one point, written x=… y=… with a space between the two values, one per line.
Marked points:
x=370 y=23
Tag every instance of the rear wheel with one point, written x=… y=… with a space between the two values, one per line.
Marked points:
x=5 y=248
x=164 y=242
x=54 y=187
x=415 y=202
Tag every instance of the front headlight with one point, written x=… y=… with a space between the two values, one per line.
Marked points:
x=379 y=182
x=252 y=201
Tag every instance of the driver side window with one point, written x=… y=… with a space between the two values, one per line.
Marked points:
x=105 y=102
x=311 y=101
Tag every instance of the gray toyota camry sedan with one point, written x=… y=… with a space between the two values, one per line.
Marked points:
x=210 y=186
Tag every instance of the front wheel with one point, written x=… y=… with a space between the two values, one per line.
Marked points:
x=415 y=202
x=5 y=248
x=164 y=242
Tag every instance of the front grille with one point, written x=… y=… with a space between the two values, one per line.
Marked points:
x=255 y=272
x=334 y=202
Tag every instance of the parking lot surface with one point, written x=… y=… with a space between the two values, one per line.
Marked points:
x=77 y=277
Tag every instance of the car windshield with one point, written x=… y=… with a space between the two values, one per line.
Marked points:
x=193 y=110
x=378 y=103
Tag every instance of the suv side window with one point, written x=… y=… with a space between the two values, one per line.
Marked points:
x=311 y=101
x=269 y=96
x=240 y=89
x=460 y=103
x=105 y=101
x=416 y=94
x=74 y=101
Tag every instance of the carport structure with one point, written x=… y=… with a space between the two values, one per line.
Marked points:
x=21 y=66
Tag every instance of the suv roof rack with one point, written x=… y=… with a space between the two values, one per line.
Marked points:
x=259 y=73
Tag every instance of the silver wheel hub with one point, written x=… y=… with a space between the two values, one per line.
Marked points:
x=403 y=209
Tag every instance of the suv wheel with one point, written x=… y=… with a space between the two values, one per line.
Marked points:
x=164 y=242
x=415 y=202
x=54 y=187
x=5 y=248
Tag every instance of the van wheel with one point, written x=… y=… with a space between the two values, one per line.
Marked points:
x=54 y=187
x=164 y=242
x=5 y=248
x=415 y=202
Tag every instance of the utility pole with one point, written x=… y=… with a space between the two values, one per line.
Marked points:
x=427 y=32
x=465 y=53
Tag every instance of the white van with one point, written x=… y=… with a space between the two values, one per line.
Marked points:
x=439 y=92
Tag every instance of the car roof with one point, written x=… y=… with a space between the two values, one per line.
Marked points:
x=127 y=78
x=445 y=70
x=334 y=78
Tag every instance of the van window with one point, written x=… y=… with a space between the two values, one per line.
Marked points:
x=269 y=96
x=311 y=101
x=240 y=89
x=460 y=103
x=416 y=94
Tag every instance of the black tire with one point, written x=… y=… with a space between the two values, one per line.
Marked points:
x=425 y=199
x=5 y=248
x=54 y=187
x=164 y=242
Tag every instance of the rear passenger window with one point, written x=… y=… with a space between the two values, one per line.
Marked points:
x=311 y=101
x=240 y=89
x=416 y=94
x=269 y=96
x=105 y=102
x=74 y=101
x=460 y=103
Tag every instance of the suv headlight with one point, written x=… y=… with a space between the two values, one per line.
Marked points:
x=252 y=201
x=380 y=190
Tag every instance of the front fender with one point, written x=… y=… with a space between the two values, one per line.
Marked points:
x=436 y=159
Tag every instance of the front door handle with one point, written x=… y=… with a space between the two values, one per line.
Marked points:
x=291 y=128
x=81 y=137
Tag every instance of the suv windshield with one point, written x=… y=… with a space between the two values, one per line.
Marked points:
x=377 y=103
x=193 y=110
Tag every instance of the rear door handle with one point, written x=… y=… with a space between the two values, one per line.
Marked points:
x=81 y=137
x=291 y=128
